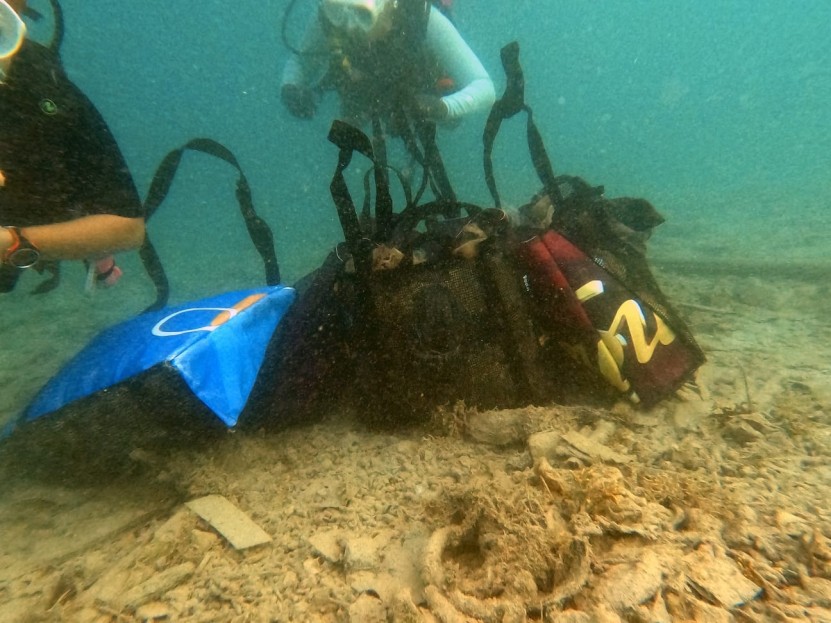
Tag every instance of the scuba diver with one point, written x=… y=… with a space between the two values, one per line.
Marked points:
x=398 y=66
x=389 y=58
x=65 y=190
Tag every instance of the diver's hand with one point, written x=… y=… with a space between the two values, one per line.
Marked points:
x=299 y=100
x=430 y=108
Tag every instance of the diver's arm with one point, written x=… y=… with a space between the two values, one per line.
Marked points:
x=91 y=236
x=306 y=68
x=301 y=72
x=475 y=87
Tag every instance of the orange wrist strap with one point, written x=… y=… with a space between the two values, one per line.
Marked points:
x=15 y=234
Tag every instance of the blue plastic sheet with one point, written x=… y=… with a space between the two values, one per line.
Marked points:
x=216 y=344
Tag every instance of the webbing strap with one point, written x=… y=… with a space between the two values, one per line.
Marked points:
x=383 y=198
x=511 y=103
x=350 y=139
x=433 y=161
x=57 y=35
x=258 y=229
x=58 y=29
x=430 y=160
x=519 y=341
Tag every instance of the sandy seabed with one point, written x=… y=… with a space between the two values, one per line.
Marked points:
x=714 y=506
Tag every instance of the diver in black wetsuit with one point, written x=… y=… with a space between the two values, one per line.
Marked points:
x=65 y=190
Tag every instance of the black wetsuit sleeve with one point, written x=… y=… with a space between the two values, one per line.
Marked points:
x=105 y=185
x=59 y=158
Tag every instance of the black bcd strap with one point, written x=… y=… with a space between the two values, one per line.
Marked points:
x=257 y=228
x=350 y=139
x=58 y=28
x=360 y=239
x=511 y=103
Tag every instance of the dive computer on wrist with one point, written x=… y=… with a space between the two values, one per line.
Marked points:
x=21 y=253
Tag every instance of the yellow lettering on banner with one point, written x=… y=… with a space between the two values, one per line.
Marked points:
x=631 y=312
x=589 y=290
x=610 y=367
x=611 y=345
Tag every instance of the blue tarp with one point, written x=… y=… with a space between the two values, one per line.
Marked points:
x=216 y=344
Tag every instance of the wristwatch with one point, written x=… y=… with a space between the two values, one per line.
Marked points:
x=21 y=253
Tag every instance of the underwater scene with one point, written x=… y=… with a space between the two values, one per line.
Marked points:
x=578 y=371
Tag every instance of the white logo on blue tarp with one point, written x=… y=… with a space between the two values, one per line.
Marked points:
x=159 y=331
